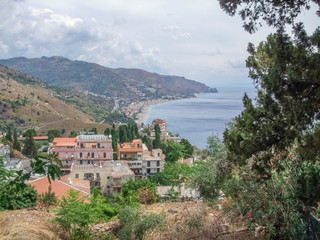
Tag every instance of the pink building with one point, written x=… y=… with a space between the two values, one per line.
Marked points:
x=83 y=150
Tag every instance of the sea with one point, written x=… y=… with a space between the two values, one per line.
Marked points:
x=195 y=119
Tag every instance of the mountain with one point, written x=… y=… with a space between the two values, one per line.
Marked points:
x=122 y=83
x=28 y=102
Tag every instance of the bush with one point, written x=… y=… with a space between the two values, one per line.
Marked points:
x=135 y=225
x=47 y=199
x=77 y=217
x=144 y=189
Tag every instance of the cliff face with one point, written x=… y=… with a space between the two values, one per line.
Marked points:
x=122 y=83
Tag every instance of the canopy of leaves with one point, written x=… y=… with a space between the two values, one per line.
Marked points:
x=275 y=13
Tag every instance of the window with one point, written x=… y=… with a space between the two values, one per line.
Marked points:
x=98 y=175
x=88 y=161
x=80 y=155
x=77 y=175
x=148 y=163
x=80 y=162
x=148 y=170
x=158 y=163
x=158 y=170
x=158 y=154
x=104 y=155
x=92 y=155
x=88 y=154
x=98 y=145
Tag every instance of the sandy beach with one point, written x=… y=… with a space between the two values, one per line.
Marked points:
x=145 y=109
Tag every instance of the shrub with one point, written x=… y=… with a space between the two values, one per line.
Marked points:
x=135 y=225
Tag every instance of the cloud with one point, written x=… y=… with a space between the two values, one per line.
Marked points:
x=34 y=32
x=176 y=32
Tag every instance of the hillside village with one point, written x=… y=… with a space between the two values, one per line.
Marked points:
x=89 y=160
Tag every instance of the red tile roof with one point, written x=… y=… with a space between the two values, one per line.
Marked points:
x=41 y=138
x=60 y=189
x=64 y=142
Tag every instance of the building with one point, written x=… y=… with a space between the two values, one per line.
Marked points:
x=107 y=177
x=163 y=128
x=130 y=150
x=83 y=150
x=140 y=160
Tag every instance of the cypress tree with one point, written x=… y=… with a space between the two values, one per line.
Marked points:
x=16 y=144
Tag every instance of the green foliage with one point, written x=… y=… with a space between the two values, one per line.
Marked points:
x=16 y=144
x=30 y=132
x=146 y=140
x=47 y=199
x=274 y=13
x=135 y=225
x=53 y=133
x=17 y=196
x=77 y=217
x=145 y=190
x=188 y=148
x=209 y=176
x=29 y=148
x=174 y=173
x=73 y=134
x=14 y=193
x=9 y=134
x=107 y=132
x=174 y=151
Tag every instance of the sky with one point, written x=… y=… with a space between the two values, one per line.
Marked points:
x=194 y=39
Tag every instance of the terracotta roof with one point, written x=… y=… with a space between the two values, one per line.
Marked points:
x=41 y=138
x=60 y=188
x=81 y=184
x=64 y=142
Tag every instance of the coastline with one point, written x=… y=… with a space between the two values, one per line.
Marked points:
x=146 y=107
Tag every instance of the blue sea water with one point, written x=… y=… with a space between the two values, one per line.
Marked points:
x=198 y=118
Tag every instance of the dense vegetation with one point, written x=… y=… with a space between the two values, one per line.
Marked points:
x=268 y=164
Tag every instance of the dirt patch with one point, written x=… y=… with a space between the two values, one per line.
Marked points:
x=28 y=224
x=196 y=220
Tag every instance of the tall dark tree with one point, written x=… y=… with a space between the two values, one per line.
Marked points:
x=107 y=132
x=16 y=144
x=9 y=134
x=29 y=148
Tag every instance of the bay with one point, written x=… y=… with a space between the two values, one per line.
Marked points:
x=198 y=118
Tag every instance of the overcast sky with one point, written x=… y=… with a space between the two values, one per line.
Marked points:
x=189 y=38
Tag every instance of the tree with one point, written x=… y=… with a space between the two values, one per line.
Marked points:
x=271 y=145
x=188 y=148
x=16 y=144
x=73 y=134
x=275 y=13
x=94 y=130
x=14 y=193
x=146 y=140
x=157 y=141
x=9 y=134
x=29 y=148
x=174 y=152
x=53 y=133
x=30 y=131
x=107 y=132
